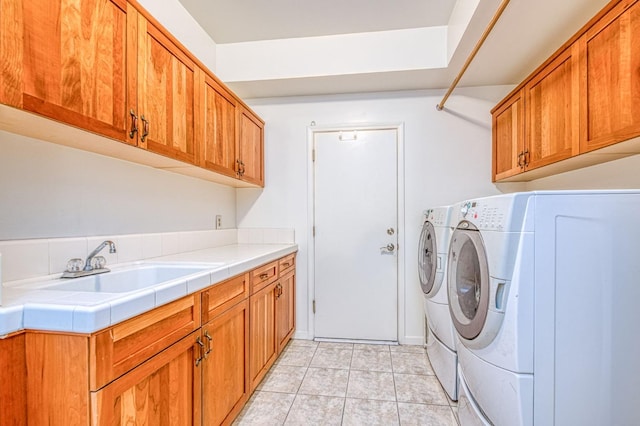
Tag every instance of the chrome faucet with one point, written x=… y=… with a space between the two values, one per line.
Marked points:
x=112 y=249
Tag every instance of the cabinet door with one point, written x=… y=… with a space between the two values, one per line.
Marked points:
x=552 y=119
x=68 y=61
x=508 y=138
x=166 y=99
x=610 y=66
x=225 y=375
x=219 y=129
x=13 y=376
x=250 y=147
x=285 y=310
x=164 y=390
x=262 y=333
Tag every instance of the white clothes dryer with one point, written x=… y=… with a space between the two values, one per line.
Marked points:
x=432 y=259
x=543 y=295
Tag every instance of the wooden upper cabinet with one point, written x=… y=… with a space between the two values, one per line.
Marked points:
x=219 y=146
x=610 y=110
x=552 y=111
x=66 y=60
x=508 y=137
x=250 y=147
x=166 y=101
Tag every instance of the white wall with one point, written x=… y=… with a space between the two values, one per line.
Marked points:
x=618 y=174
x=447 y=158
x=49 y=190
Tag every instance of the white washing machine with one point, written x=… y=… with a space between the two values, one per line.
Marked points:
x=432 y=260
x=544 y=294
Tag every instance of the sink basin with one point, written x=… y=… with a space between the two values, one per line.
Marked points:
x=129 y=279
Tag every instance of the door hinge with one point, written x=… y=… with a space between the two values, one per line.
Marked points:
x=314 y=306
x=313 y=155
x=313 y=230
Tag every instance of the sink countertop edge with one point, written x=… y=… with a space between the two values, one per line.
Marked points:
x=62 y=314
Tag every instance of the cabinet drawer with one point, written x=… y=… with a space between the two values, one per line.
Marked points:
x=221 y=297
x=263 y=276
x=287 y=263
x=120 y=348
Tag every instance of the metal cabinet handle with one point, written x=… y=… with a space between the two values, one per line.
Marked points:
x=209 y=339
x=134 y=124
x=145 y=128
x=286 y=264
x=239 y=168
x=520 y=159
x=201 y=348
x=264 y=276
x=526 y=158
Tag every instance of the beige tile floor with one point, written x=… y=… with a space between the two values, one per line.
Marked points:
x=349 y=384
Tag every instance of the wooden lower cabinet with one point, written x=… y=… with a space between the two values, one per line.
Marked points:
x=225 y=371
x=272 y=323
x=13 y=381
x=285 y=310
x=164 y=390
x=194 y=361
x=263 y=347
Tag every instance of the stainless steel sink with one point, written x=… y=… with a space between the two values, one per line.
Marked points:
x=129 y=279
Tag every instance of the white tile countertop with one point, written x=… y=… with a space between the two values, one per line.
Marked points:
x=28 y=304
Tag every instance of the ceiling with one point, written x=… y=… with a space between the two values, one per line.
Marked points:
x=232 y=21
x=528 y=32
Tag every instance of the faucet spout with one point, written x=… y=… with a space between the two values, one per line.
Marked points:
x=112 y=249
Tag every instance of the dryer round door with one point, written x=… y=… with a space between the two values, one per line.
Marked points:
x=468 y=283
x=427 y=258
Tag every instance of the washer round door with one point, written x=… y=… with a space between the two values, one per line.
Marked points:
x=427 y=257
x=468 y=282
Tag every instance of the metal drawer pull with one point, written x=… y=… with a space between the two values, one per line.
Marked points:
x=286 y=264
x=264 y=276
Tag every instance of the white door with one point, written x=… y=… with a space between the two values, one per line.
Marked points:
x=356 y=238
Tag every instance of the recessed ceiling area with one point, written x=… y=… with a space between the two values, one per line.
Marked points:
x=233 y=21
x=293 y=48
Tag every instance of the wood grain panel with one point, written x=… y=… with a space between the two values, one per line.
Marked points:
x=57 y=379
x=219 y=129
x=286 y=310
x=74 y=62
x=263 y=275
x=164 y=390
x=250 y=146
x=13 y=381
x=262 y=345
x=11 y=46
x=225 y=372
x=552 y=119
x=122 y=347
x=508 y=137
x=166 y=94
x=611 y=79
x=224 y=295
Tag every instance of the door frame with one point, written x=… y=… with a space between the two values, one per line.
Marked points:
x=312 y=130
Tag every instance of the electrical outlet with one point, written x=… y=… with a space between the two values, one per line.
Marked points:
x=218 y=221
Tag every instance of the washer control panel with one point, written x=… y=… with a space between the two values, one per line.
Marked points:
x=438 y=216
x=484 y=215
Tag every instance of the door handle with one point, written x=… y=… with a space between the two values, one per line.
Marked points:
x=389 y=248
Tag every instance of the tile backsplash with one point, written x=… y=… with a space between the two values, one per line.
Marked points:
x=22 y=259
